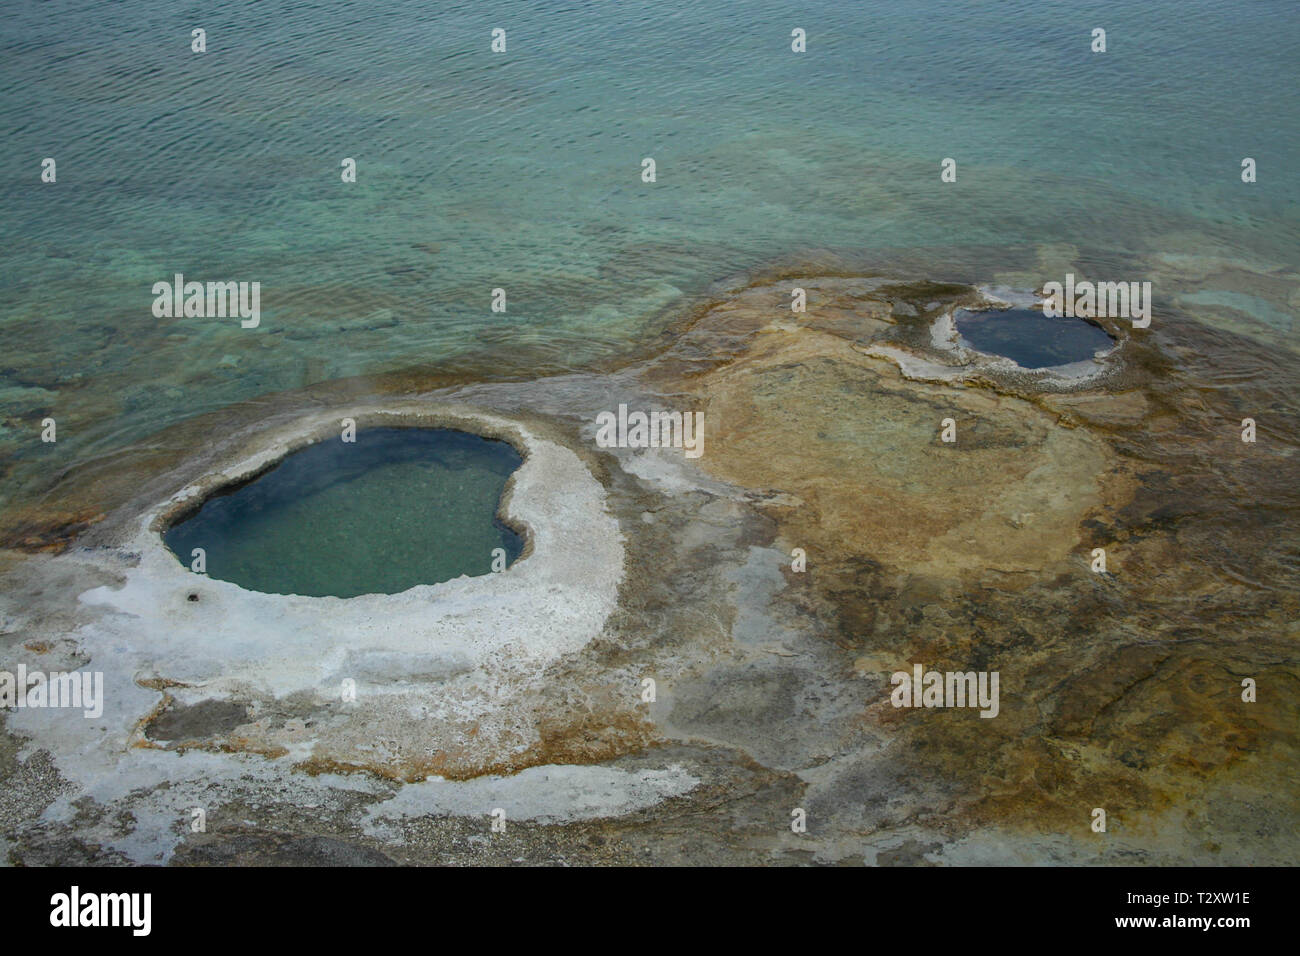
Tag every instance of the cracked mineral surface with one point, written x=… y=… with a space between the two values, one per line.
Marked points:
x=691 y=651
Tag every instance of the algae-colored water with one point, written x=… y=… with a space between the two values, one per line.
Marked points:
x=396 y=508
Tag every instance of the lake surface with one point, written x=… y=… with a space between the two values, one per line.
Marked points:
x=522 y=171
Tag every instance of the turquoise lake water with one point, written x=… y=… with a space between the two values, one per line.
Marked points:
x=522 y=171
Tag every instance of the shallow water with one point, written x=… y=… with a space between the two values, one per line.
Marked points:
x=1030 y=338
x=522 y=171
x=397 y=508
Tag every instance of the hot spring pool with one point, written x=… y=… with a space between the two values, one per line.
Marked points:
x=397 y=508
x=1030 y=338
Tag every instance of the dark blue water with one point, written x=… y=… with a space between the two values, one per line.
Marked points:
x=1030 y=338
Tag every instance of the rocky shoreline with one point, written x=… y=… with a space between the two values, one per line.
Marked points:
x=1120 y=690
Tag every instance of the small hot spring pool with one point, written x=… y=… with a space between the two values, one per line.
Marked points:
x=1030 y=338
x=396 y=508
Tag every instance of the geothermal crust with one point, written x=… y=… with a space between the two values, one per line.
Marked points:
x=655 y=681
